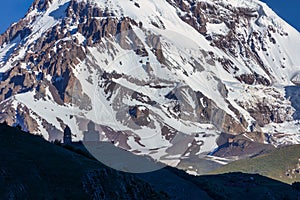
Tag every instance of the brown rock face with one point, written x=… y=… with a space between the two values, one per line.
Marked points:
x=27 y=121
x=41 y=5
x=206 y=110
x=140 y=115
x=21 y=116
x=14 y=31
x=154 y=41
x=52 y=62
x=195 y=13
x=255 y=78
x=168 y=132
x=264 y=114
x=48 y=57
x=219 y=118
x=267 y=109
x=199 y=14
x=241 y=146
x=16 y=81
x=21 y=27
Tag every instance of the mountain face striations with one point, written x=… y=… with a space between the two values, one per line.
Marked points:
x=169 y=78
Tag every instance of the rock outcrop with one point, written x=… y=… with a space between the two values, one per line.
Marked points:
x=166 y=78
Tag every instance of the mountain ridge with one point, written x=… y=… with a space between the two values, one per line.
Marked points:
x=152 y=73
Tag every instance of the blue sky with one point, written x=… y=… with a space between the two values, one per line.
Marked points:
x=12 y=10
x=287 y=9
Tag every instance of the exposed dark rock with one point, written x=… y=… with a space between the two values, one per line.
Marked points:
x=253 y=79
x=168 y=132
x=16 y=81
x=242 y=146
x=154 y=42
x=210 y=113
x=140 y=115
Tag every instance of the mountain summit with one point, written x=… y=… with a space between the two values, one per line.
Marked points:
x=172 y=79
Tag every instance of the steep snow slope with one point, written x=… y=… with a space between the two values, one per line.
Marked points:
x=163 y=78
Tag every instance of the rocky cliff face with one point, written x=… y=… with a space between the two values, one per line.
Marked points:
x=152 y=73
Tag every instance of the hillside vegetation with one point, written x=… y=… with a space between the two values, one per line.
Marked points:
x=32 y=168
x=282 y=164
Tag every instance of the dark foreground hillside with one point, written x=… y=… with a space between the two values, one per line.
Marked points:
x=32 y=168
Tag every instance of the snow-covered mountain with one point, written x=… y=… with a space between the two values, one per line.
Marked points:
x=164 y=78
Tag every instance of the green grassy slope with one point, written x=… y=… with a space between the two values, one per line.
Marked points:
x=279 y=164
x=237 y=186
